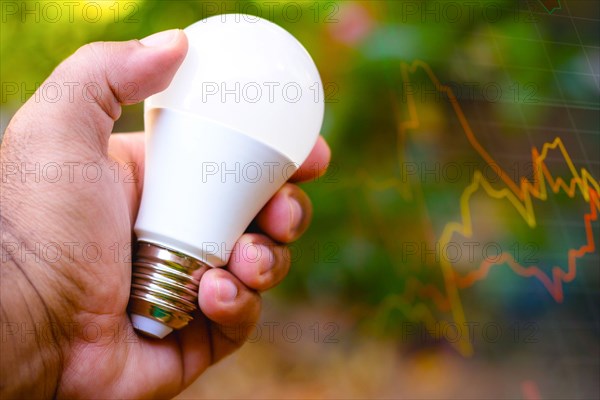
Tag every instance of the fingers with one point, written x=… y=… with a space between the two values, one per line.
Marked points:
x=228 y=298
x=316 y=163
x=287 y=215
x=77 y=105
x=258 y=262
x=224 y=299
x=231 y=306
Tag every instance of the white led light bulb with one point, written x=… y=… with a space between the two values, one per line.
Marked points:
x=241 y=114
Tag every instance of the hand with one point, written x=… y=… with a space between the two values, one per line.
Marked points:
x=64 y=290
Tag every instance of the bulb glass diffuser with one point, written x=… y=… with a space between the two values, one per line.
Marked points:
x=241 y=114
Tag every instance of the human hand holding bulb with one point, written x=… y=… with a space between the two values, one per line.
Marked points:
x=93 y=351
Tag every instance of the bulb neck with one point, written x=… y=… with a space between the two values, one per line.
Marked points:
x=164 y=289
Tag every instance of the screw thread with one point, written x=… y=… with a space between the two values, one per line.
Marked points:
x=164 y=285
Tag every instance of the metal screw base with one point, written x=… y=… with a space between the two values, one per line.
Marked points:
x=164 y=285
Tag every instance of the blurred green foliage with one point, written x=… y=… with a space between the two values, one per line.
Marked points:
x=352 y=257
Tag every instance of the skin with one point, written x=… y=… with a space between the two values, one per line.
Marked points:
x=65 y=329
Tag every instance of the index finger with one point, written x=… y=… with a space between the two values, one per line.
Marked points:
x=316 y=163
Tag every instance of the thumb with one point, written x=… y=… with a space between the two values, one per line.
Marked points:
x=77 y=105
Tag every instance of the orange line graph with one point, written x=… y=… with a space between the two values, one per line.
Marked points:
x=519 y=195
x=526 y=188
x=559 y=276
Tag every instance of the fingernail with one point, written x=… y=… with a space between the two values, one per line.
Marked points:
x=226 y=290
x=296 y=214
x=267 y=259
x=161 y=38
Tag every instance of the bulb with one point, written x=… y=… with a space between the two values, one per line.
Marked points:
x=241 y=114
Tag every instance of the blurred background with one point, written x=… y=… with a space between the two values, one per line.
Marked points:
x=453 y=248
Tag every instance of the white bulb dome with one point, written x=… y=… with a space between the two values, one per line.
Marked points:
x=250 y=75
x=241 y=114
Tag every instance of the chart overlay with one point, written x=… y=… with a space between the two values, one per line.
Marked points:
x=520 y=195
